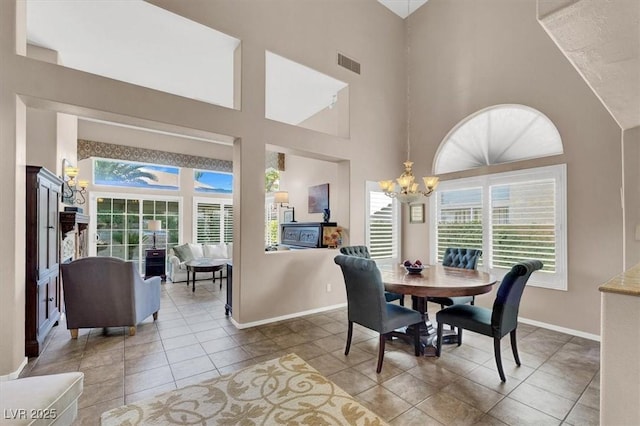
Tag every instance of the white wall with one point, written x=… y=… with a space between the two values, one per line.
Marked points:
x=468 y=55
x=300 y=174
x=631 y=149
x=311 y=33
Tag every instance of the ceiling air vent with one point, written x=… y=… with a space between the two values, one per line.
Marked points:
x=348 y=63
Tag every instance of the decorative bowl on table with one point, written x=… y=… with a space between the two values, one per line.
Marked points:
x=414 y=269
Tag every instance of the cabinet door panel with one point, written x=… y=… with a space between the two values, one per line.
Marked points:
x=52 y=296
x=52 y=227
x=43 y=303
x=43 y=231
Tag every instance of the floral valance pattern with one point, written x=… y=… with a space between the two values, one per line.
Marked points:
x=88 y=149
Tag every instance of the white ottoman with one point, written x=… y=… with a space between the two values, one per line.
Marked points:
x=41 y=400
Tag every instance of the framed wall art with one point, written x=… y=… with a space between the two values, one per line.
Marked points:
x=416 y=213
x=318 y=198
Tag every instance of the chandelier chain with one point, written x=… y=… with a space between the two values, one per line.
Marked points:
x=408 y=52
x=407 y=190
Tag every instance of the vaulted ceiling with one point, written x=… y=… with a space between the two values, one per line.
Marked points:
x=602 y=41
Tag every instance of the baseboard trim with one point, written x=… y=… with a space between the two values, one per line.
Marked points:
x=540 y=324
x=15 y=374
x=565 y=330
x=286 y=317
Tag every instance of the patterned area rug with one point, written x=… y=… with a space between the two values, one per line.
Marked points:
x=283 y=391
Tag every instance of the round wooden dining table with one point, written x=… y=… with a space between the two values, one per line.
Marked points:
x=434 y=281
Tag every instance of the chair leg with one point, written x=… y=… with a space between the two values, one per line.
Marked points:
x=155 y=315
x=514 y=347
x=74 y=333
x=439 y=342
x=459 y=336
x=383 y=339
x=416 y=338
x=402 y=300
x=132 y=330
x=450 y=326
x=349 y=335
x=498 y=355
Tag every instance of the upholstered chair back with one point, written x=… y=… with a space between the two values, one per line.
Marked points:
x=107 y=292
x=358 y=251
x=458 y=257
x=365 y=291
x=504 y=317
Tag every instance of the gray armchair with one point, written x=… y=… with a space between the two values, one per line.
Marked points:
x=107 y=292
x=368 y=307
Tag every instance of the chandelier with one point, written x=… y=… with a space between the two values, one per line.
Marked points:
x=408 y=191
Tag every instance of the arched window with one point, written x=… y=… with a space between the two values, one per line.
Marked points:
x=495 y=135
x=511 y=216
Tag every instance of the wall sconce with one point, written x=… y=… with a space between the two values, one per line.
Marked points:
x=155 y=226
x=73 y=190
x=282 y=198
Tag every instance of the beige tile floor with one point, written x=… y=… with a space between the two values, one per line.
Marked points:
x=558 y=382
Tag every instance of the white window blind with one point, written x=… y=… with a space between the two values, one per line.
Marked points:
x=383 y=228
x=523 y=223
x=511 y=216
x=214 y=221
x=228 y=223
x=459 y=221
x=271 y=222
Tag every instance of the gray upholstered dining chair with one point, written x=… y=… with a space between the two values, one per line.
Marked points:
x=107 y=292
x=368 y=307
x=496 y=322
x=457 y=257
x=363 y=251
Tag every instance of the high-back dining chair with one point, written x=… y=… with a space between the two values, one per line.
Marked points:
x=363 y=251
x=368 y=307
x=458 y=257
x=496 y=322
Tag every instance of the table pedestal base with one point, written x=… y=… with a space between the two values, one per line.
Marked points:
x=427 y=331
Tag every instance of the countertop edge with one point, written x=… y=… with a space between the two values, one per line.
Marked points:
x=627 y=283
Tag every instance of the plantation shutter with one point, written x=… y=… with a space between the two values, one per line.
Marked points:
x=271 y=222
x=209 y=224
x=512 y=216
x=459 y=220
x=523 y=219
x=228 y=223
x=382 y=232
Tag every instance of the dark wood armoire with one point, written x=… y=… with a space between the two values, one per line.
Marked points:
x=42 y=257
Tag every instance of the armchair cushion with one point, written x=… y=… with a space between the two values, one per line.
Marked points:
x=196 y=250
x=55 y=393
x=183 y=252
x=215 y=251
